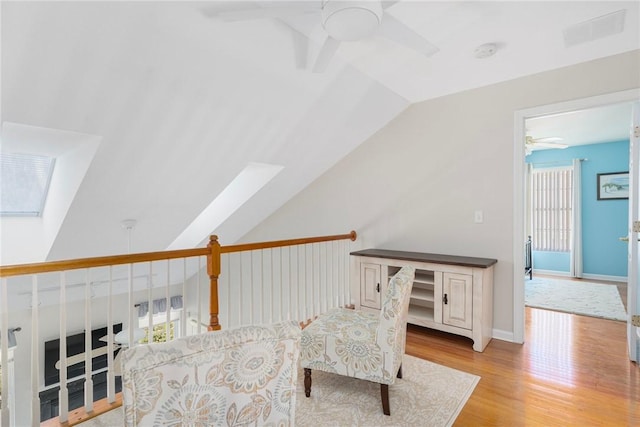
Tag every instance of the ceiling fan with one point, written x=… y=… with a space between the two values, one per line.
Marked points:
x=340 y=20
x=532 y=143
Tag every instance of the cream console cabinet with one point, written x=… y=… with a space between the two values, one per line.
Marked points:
x=450 y=293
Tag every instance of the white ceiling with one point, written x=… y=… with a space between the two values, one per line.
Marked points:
x=610 y=123
x=183 y=102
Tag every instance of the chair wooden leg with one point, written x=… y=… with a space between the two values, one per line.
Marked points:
x=307 y=382
x=399 y=372
x=384 y=393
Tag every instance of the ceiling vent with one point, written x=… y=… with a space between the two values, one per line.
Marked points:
x=594 y=29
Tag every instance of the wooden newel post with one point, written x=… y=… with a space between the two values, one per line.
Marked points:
x=213 y=269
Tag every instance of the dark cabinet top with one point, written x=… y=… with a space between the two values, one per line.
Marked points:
x=463 y=261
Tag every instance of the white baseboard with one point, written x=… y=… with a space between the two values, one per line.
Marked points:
x=551 y=272
x=605 y=277
x=584 y=276
x=502 y=335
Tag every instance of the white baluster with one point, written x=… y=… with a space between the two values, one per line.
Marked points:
x=35 y=345
x=130 y=305
x=345 y=263
x=315 y=279
x=251 y=287
x=183 y=322
x=111 y=378
x=4 y=353
x=88 y=350
x=150 y=305
x=273 y=291
x=324 y=264
x=294 y=265
x=167 y=319
x=328 y=256
x=198 y=298
x=240 y=285
x=63 y=394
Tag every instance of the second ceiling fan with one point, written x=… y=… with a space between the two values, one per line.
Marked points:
x=550 y=142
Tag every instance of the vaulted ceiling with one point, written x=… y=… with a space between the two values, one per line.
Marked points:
x=182 y=101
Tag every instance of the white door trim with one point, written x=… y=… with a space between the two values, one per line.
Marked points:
x=518 y=185
x=633 y=245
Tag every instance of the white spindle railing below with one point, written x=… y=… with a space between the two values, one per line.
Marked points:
x=284 y=283
x=256 y=283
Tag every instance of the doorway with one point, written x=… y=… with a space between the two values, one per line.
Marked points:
x=519 y=180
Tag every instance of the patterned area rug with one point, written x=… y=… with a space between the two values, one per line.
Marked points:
x=428 y=395
x=585 y=298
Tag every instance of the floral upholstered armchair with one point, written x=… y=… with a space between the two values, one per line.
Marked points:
x=361 y=344
x=241 y=376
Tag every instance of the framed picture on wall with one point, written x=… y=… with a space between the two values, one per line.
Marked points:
x=613 y=186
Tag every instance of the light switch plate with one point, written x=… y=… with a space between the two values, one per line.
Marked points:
x=478 y=217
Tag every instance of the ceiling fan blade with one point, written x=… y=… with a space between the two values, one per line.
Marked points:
x=549 y=145
x=547 y=142
x=327 y=51
x=548 y=139
x=300 y=48
x=260 y=13
x=395 y=30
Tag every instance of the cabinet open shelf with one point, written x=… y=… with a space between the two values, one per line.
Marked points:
x=422 y=294
x=421 y=313
x=422 y=303
x=423 y=276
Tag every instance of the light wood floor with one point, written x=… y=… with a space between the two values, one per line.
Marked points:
x=571 y=371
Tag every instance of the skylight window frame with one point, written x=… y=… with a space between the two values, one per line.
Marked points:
x=45 y=191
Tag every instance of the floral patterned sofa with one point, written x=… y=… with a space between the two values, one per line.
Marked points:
x=361 y=344
x=241 y=376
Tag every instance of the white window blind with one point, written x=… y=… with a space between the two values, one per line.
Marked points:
x=24 y=183
x=551 y=192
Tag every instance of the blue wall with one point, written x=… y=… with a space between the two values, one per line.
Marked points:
x=603 y=221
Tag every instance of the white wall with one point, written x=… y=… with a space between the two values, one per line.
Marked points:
x=416 y=184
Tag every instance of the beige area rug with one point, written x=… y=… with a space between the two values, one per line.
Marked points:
x=577 y=297
x=428 y=395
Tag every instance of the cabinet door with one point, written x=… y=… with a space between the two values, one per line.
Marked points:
x=370 y=285
x=457 y=304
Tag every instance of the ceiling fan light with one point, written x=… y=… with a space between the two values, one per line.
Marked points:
x=351 y=20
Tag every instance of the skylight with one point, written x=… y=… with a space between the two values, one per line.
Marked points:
x=248 y=182
x=24 y=183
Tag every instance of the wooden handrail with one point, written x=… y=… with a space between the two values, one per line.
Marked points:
x=291 y=242
x=74 y=264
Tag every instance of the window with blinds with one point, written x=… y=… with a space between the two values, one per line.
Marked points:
x=551 y=193
x=24 y=181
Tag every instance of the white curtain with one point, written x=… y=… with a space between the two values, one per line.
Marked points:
x=159 y=305
x=575 y=268
x=527 y=200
